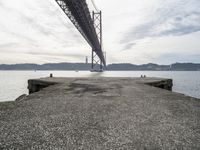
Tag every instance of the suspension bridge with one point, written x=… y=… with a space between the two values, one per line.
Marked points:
x=89 y=26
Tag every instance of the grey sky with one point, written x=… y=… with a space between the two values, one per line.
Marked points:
x=134 y=31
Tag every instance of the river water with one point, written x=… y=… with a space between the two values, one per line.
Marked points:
x=14 y=83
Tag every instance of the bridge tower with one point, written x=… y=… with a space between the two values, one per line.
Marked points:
x=97 y=64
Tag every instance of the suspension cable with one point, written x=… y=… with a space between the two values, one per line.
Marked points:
x=94 y=5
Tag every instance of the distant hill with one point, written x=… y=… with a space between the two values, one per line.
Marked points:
x=127 y=67
x=185 y=66
x=49 y=66
x=110 y=67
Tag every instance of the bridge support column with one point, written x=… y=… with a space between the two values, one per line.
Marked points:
x=97 y=64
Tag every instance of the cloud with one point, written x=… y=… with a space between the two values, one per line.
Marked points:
x=129 y=45
x=40 y=22
x=6 y=45
x=41 y=53
x=36 y=27
x=168 y=58
x=169 y=19
x=58 y=54
x=1 y=4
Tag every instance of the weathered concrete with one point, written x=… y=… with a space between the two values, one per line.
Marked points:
x=35 y=85
x=101 y=113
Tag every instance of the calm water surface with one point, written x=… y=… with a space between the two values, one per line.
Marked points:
x=14 y=83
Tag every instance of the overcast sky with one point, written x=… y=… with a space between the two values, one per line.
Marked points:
x=135 y=31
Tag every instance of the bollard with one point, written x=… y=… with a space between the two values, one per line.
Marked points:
x=51 y=75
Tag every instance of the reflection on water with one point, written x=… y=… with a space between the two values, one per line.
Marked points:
x=14 y=83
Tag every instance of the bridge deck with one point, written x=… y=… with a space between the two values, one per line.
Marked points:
x=100 y=113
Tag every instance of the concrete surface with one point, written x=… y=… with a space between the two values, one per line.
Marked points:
x=101 y=113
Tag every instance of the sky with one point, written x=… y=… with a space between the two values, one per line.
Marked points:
x=134 y=31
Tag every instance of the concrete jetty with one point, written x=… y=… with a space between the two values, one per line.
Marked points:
x=99 y=114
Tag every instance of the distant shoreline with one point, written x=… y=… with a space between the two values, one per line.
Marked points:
x=110 y=67
x=114 y=70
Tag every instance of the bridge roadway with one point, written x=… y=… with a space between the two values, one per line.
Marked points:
x=99 y=114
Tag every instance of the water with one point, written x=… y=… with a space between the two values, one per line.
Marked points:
x=14 y=83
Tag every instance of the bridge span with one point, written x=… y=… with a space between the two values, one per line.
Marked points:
x=90 y=27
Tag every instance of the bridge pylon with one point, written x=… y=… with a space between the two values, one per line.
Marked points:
x=97 y=64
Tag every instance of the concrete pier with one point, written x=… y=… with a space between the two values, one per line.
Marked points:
x=101 y=113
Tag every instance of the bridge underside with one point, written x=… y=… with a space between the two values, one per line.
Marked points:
x=79 y=14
